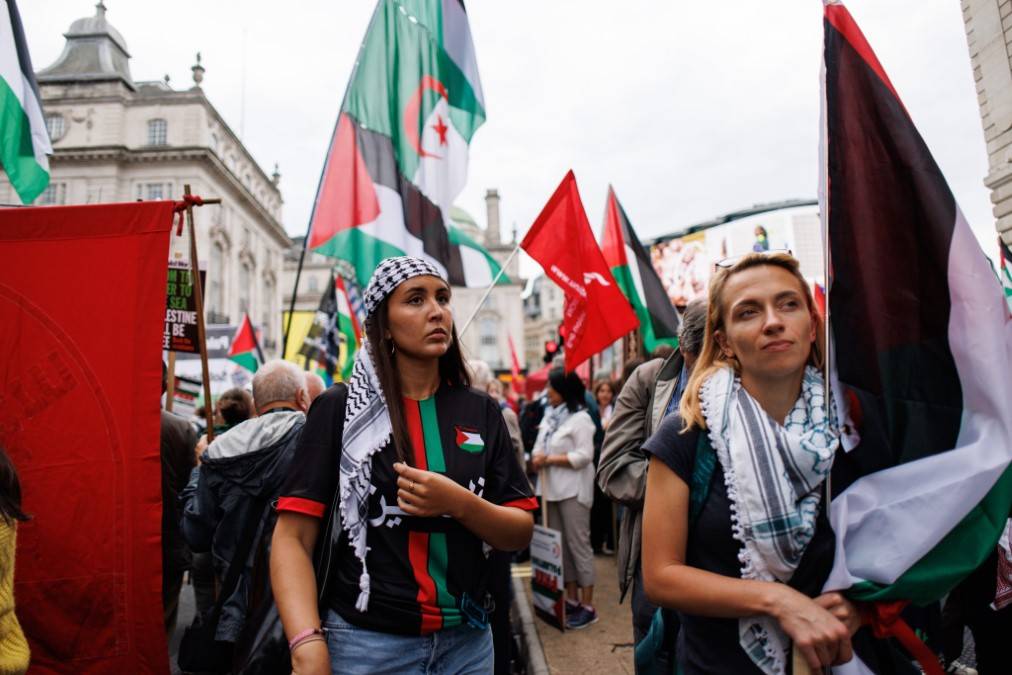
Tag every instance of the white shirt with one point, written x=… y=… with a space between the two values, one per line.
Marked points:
x=575 y=439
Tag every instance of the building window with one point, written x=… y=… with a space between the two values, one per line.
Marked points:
x=154 y=191
x=215 y=279
x=488 y=342
x=244 y=287
x=158 y=131
x=314 y=284
x=56 y=126
x=54 y=194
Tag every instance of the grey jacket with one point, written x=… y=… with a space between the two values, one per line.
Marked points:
x=622 y=470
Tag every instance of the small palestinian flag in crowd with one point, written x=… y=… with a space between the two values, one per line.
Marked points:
x=245 y=349
x=630 y=264
x=922 y=344
x=24 y=141
x=322 y=342
x=348 y=326
x=398 y=157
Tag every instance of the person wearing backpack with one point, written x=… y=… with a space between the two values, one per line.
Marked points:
x=735 y=536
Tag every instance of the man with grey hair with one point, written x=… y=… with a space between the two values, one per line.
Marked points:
x=238 y=477
x=314 y=385
x=653 y=391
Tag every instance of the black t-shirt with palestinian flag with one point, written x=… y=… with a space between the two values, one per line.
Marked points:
x=420 y=569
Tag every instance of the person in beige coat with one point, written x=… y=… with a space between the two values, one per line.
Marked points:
x=651 y=392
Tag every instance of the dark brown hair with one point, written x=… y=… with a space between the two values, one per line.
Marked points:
x=452 y=372
x=235 y=406
x=10 y=490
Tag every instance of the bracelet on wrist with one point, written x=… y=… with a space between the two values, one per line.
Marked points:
x=306 y=641
x=304 y=636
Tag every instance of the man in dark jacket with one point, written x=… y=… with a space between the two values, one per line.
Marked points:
x=239 y=476
x=177 y=441
x=652 y=392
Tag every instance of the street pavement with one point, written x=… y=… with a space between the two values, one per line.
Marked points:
x=602 y=647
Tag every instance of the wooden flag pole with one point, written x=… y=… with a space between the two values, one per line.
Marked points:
x=488 y=291
x=199 y=292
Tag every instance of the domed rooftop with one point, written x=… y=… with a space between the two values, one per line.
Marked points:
x=94 y=52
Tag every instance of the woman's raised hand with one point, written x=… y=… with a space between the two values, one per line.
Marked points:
x=821 y=637
x=429 y=495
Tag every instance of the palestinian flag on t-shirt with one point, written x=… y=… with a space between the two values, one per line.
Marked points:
x=245 y=350
x=635 y=275
x=398 y=156
x=922 y=342
x=24 y=141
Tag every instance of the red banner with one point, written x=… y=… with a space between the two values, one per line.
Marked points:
x=82 y=310
x=596 y=313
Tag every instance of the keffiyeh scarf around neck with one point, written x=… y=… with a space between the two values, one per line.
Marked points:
x=367 y=429
x=773 y=475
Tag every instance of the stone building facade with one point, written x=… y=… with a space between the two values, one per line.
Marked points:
x=989 y=38
x=116 y=139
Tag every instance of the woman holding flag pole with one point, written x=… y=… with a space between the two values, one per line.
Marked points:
x=735 y=535
x=419 y=479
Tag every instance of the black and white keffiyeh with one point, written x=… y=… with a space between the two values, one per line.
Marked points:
x=773 y=475
x=367 y=426
x=393 y=272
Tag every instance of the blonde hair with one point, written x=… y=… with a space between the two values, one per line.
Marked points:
x=711 y=357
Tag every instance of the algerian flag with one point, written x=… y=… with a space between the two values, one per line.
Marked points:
x=348 y=327
x=24 y=142
x=245 y=349
x=469 y=440
x=635 y=275
x=398 y=156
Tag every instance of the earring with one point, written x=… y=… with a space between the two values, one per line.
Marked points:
x=393 y=348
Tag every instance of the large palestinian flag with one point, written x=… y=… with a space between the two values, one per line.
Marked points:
x=922 y=343
x=398 y=157
x=635 y=275
x=24 y=142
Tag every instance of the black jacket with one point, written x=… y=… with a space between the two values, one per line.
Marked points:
x=247 y=463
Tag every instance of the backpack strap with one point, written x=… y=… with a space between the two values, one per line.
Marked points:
x=702 y=473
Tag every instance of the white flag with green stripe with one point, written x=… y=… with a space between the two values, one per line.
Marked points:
x=24 y=142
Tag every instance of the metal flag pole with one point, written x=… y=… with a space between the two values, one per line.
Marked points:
x=488 y=292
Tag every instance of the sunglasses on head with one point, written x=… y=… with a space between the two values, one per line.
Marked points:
x=727 y=263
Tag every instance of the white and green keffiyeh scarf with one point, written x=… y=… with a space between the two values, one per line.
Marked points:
x=773 y=475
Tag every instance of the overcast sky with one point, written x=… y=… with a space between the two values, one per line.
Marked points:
x=690 y=110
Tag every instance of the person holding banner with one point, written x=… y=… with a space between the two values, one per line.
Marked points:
x=735 y=535
x=419 y=469
x=564 y=453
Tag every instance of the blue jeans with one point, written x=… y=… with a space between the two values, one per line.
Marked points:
x=355 y=651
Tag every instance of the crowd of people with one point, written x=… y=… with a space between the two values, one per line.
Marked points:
x=370 y=527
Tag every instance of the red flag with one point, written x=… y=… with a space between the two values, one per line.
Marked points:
x=596 y=312
x=517 y=384
x=80 y=379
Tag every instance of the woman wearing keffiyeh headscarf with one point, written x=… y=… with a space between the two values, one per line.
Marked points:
x=425 y=483
x=735 y=536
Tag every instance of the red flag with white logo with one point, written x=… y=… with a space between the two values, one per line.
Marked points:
x=596 y=312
